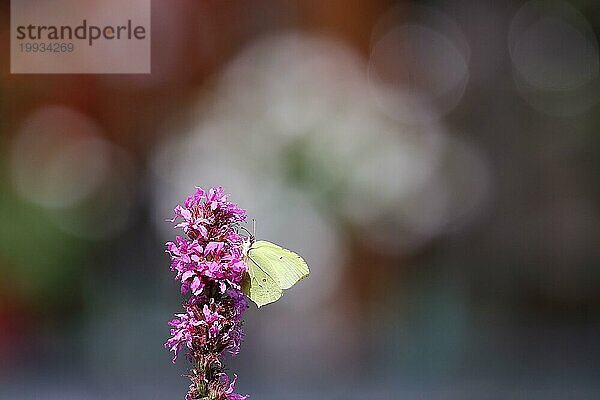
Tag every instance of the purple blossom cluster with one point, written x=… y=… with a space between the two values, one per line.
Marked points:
x=208 y=262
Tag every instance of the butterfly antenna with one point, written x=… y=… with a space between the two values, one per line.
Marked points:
x=247 y=231
x=254 y=227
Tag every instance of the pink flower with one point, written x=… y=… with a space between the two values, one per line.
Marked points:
x=184 y=328
x=209 y=264
x=229 y=391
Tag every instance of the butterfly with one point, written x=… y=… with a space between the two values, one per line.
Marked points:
x=271 y=270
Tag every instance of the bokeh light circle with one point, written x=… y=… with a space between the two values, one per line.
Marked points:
x=418 y=62
x=60 y=161
x=555 y=57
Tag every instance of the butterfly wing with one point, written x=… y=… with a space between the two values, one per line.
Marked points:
x=284 y=266
x=272 y=269
x=259 y=286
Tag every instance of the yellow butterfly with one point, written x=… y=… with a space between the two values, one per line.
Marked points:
x=271 y=270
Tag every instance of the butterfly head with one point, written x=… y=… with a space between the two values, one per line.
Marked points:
x=248 y=241
x=246 y=246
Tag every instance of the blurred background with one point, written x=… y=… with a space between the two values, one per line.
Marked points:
x=433 y=161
